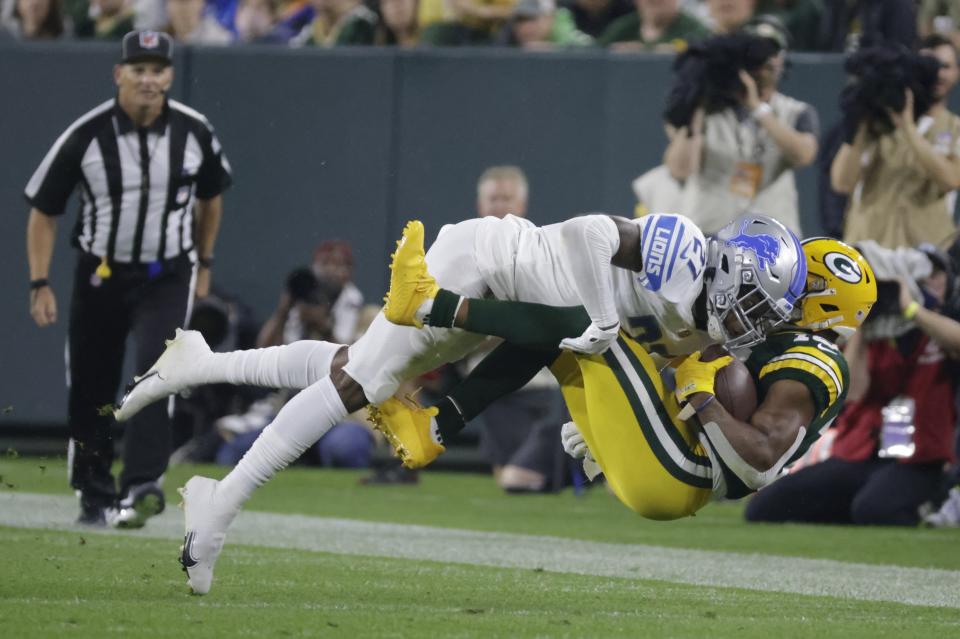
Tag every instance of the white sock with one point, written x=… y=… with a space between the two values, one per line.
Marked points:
x=423 y=311
x=300 y=423
x=297 y=365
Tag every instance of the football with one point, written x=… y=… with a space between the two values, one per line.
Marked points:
x=733 y=387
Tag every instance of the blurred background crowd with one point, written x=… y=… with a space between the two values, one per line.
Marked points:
x=621 y=25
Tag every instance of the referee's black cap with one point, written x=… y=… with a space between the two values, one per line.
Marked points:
x=143 y=46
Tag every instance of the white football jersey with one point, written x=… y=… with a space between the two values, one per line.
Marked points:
x=523 y=262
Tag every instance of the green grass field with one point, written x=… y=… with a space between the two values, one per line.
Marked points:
x=589 y=578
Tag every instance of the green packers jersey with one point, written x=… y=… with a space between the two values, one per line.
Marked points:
x=806 y=358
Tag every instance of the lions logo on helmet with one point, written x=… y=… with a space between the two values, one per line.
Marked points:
x=841 y=287
x=757 y=276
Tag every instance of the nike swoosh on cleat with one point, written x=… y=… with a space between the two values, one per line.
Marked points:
x=130 y=387
x=187 y=560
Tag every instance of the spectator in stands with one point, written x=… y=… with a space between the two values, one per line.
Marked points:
x=502 y=190
x=743 y=159
x=328 y=23
x=729 y=16
x=189 y=25
x=879 y=472
x=802 y=18
x=224 y=12
x=540 y=25
x=656 y=25
x=256 y=22
x=905 y=177
x=105 y=20
x=399 y=24
x=594 y=16
x=848 y=24
x=463 y=22
x=333 y=267
x=36 y=20
x=149 y=14
x=940 y=16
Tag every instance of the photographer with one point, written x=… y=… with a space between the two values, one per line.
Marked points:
x=906 y=167
x=303 y=297
x=739 y=149
x=896 y=431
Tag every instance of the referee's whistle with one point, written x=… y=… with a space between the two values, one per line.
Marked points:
x=103 y=270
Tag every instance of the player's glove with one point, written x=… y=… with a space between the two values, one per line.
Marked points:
x=573 y=442
x=594 y=340
x=696 y=376
x=575 y=446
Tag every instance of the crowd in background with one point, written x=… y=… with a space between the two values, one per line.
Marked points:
x=621 y=25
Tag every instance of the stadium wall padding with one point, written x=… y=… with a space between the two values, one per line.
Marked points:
x=349 y=144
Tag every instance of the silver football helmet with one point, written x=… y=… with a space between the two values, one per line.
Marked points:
x=756 y=275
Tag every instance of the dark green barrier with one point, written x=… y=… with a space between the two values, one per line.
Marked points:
x=349 y=144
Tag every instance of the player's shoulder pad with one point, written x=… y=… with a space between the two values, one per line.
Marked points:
x=810 y=359
x=674 y=255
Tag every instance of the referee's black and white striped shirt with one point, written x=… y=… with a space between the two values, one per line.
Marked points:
x=137 y=186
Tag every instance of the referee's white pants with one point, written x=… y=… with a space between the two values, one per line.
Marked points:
x=387 y=354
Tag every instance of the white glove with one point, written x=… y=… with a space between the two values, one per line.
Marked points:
x=576 y=447
x=593 y=341
x=573 y=442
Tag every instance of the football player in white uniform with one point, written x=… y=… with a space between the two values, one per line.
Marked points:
x=581 y=262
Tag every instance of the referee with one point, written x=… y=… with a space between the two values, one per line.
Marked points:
x=150 y=173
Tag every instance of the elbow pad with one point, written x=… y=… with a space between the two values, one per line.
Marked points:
x=751 y=477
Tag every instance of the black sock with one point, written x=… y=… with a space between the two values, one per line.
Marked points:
x=506 y=369
x=449 y=420
x=444 y=309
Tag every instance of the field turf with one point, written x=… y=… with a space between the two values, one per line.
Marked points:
x=593 y=569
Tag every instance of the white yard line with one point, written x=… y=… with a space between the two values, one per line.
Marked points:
x=915 y=586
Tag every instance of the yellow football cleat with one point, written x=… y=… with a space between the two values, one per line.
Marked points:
x=410 y=283
x=407 y=428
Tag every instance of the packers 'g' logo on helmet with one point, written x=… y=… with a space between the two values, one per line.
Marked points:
x=843 y=267
x=841 y=288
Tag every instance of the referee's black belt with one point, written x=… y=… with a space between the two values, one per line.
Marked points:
x=148 y=269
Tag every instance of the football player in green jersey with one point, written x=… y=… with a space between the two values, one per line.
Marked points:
x=628 y=424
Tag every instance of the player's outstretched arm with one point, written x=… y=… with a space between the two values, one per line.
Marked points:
x=591 y=244
x=758 y=450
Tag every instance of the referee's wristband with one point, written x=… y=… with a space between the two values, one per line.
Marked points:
x=39 y=283
x=911 y=310
x=205 y=262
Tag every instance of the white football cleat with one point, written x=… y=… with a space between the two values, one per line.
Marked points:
x=949 y=514
x=175 y=370
x=205 y=531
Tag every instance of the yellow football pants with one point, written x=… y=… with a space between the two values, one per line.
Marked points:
x=653 y=461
